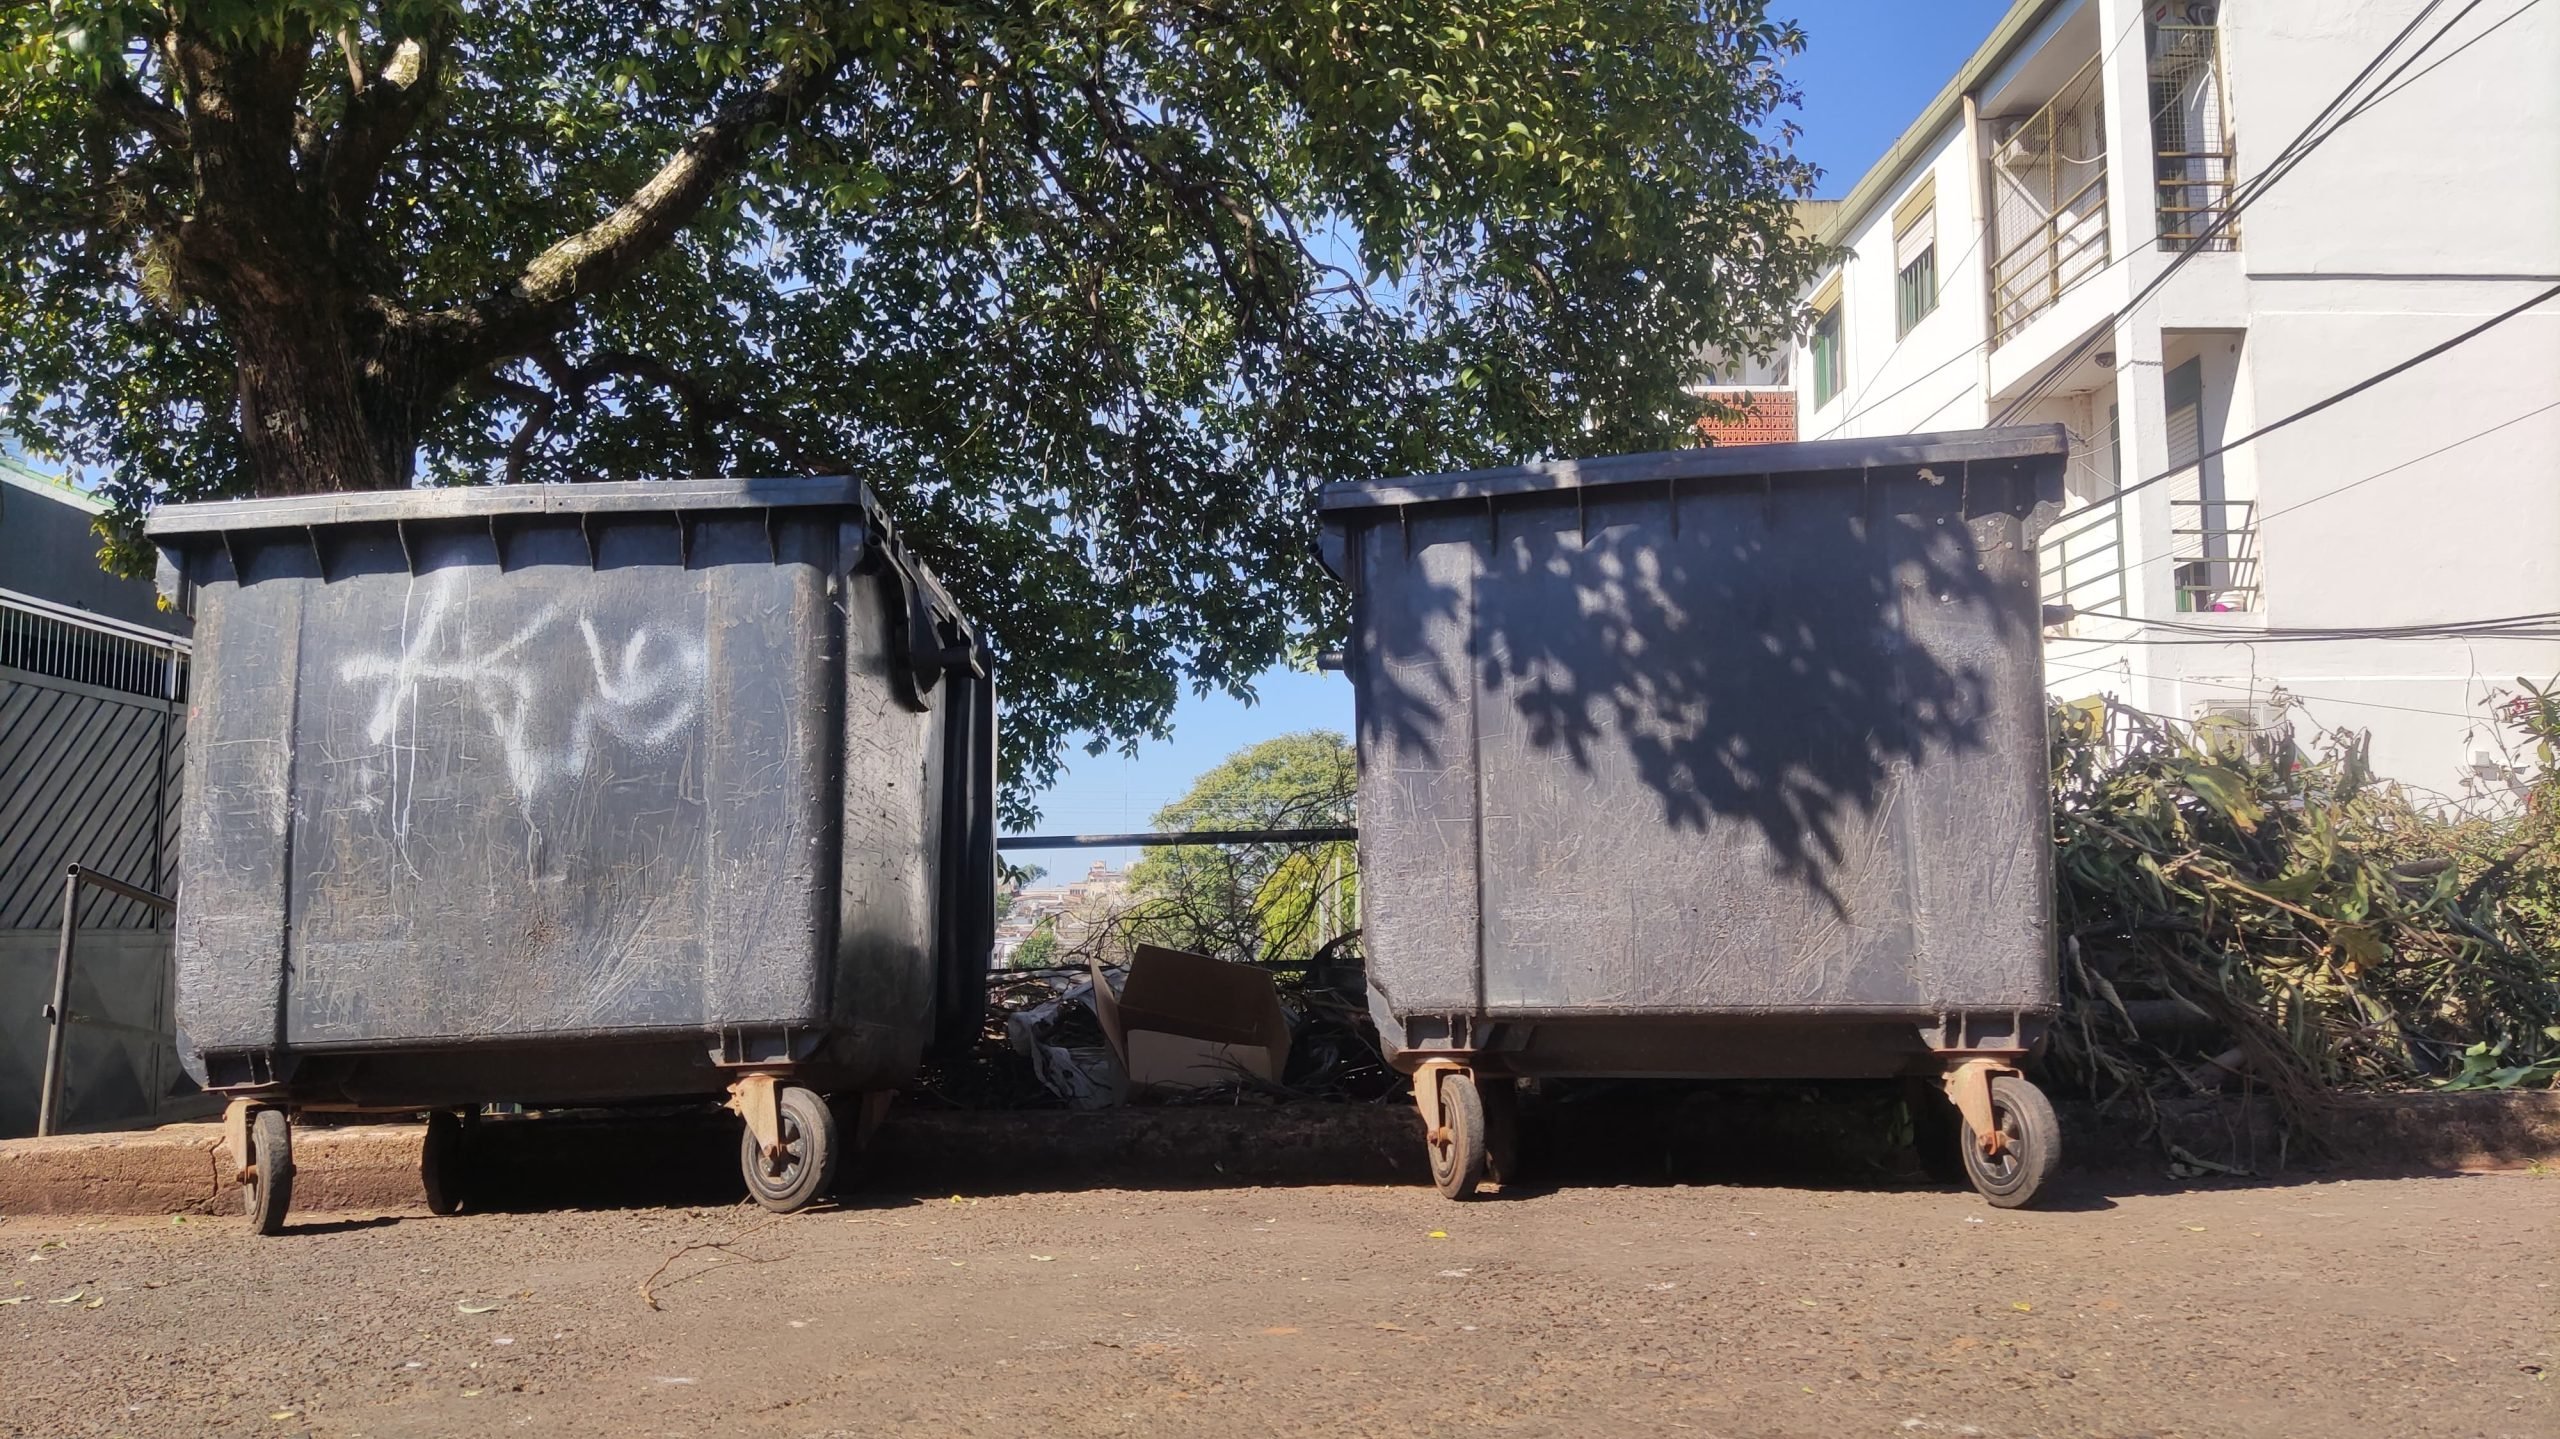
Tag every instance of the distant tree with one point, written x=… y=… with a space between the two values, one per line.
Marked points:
x=1039 y=949
x=1272 y=902
x=1094 y=292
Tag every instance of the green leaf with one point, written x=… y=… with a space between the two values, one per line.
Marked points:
x=2226 y=791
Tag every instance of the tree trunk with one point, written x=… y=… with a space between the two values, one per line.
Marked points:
x=328 y=388
x=320 y=408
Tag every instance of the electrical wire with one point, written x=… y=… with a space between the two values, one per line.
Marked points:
x=2252 y=637
x=2289 y=156
x=2242 y=197
x=2493 y=28
x=2253 y=689
x=2245 y=195
x=1980 y=229
x=2432 y=629
x=2262 y=520
x=2404 y=464
x=2350 y=392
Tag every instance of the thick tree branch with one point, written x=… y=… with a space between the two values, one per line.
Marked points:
x=607 y=252
x=533 y=407
x=122 y=98
x=383 y=107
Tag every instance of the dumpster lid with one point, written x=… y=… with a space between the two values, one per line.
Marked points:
x=1952 y=447
x=353 y=507
x=940 y=632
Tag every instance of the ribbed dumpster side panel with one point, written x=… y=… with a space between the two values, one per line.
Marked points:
x=892 y=766
x=239 y=787
x=1418 y=834
x=771 y=713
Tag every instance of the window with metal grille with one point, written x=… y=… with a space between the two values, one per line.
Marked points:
x=2190 y=131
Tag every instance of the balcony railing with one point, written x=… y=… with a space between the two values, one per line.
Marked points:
x=2048 y=176
x=2083 y=561
x=2193 y=203
x=64 y=643
x=2214 y=545
x=2068 y=247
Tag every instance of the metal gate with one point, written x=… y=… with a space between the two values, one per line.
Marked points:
x=92 y=717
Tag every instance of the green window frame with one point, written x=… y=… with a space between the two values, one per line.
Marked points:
x=1828 y=372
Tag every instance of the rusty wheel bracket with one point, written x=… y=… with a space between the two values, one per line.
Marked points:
x=756 y=1098
x=236 y=1118
x=1426 y=1097
x=1968 y=1083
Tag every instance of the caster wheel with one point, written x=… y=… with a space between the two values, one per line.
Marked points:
x=1937 y=1131
x=1458 y=1161
x=804 y=1172
x=2031 y=1150
x=443 y=1167
x=269 y=1192
x=1502 y=1160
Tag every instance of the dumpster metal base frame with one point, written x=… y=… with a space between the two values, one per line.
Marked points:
x=1582 y=1045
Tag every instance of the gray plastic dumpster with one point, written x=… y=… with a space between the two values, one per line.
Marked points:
x=1719 y=762
x=572 y=795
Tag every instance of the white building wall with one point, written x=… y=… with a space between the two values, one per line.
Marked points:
x=2434 y=210
x=1930 y=378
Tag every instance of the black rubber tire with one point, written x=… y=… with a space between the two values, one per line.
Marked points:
x=1458 y=1153
x=2034 y=1150
x=269 y=1192
x=1502 y=1160
x=444 y=1163
x=806 y=1171
x=1937 y=1131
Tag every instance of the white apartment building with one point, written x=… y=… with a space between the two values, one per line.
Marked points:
x=1998 y=262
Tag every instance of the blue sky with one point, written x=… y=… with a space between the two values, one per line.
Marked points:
x=1866 y=71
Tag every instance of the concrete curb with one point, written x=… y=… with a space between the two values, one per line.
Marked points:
x=691 y=1158
x=179 y=1169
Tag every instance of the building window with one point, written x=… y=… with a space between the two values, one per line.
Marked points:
x=1915 y=257
x=1829 y=373
x=1916 y=293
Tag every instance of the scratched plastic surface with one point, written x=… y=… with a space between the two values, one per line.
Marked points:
x=477 y=771
x=1748 y=732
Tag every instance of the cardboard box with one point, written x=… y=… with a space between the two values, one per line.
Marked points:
x=1186 y=1021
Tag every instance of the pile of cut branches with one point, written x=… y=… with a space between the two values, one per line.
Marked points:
x=2236 y=913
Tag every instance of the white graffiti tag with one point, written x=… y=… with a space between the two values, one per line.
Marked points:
x=550 y=712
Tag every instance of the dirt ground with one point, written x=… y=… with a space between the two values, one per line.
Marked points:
x=2384 y=1306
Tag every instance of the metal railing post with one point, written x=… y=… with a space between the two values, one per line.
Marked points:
x=58 y=1013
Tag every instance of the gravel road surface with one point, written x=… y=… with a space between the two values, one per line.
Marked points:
x=2373 y=1306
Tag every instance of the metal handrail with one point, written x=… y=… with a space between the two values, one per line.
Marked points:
x=2082 y=205
x=1319 y=835
x=90 y=620
x=2038 y=174
x=2058 y=559
x=60 y=642
x=2178 y=234
x=57 y=1014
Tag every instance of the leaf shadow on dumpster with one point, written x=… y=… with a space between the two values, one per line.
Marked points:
x=1760 y=665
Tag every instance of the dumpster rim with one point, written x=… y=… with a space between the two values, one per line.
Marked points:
x=458 y=502
x=1947 y=447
